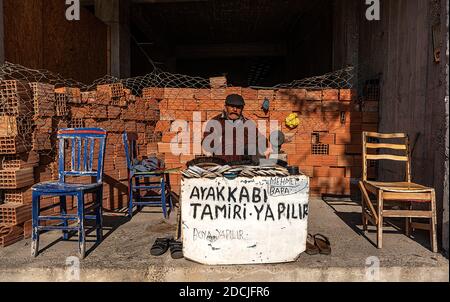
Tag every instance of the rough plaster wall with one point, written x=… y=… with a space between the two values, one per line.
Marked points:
x=445 y=54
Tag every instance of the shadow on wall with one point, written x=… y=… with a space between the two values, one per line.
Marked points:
x=327 y=145
x=116 y=194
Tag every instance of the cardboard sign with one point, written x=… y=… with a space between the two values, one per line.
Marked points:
x=244 y=220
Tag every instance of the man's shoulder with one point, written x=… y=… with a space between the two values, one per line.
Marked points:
x=219 y=117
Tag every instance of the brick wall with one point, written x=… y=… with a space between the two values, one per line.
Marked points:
x=326 y=145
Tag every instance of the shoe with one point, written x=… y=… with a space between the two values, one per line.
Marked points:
x=323 y=244
x=176 y=249
x=160 y=246
x=311 y=248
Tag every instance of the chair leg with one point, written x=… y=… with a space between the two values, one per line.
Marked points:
x=169 y=190
x=408 y=223
x=63 y=210
x=433 y=227
x=363 y=216
x=364 y=222
x=380 y=220
x=163 y=197
x=130 y=203
x=99 y=215
x=138 y=196
x=35 y=224
x=81 y=230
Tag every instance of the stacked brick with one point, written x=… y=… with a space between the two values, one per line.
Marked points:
x=326 y=145
x=31 y=113
x=16 y=161
x=115 y=109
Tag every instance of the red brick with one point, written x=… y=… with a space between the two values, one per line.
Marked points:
x=313 y=95
x=249 y=94
x=329 y=172
x=263 y=94
x=164 y=147
x=175 y=104
x=283 y=94
x=202 y=94
x=191 y=104
x=345 y=161
x=310 y=106
x=347 y=94
x=219 y=94
x=167 y=115
x=337 y=149
x=233 y=90
x=322 y=160
x=207 y=105
x=330 y=94
x=171 y=159
x=331 y=106
x=163 y=126
x=185 y=158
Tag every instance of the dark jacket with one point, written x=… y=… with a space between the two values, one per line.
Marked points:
x=248 y=143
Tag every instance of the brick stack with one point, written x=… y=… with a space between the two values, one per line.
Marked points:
x=31 y=113
x=326 y=145
x=115 y=109
x=16 y=162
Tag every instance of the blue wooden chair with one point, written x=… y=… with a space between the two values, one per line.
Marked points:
x=81 y=143
x=145 y=180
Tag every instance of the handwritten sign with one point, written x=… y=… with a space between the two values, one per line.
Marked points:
x=244 y=220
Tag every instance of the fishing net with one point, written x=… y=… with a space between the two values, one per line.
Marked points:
x=35 y=103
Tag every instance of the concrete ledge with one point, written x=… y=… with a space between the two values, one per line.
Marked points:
x=231 y=274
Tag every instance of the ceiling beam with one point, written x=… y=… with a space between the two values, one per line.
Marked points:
x=230 y=50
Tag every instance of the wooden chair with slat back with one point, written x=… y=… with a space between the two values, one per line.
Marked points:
x=406 y=192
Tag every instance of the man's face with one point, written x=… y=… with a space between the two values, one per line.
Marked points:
x=233 y=112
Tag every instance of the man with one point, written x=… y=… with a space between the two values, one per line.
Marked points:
x=231 y=136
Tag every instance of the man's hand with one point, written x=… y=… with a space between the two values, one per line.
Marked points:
x=207 y=154
x=268 y=151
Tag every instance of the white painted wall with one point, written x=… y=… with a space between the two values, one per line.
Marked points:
x=261 y=232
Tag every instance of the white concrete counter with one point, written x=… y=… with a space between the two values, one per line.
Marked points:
x=244 y=220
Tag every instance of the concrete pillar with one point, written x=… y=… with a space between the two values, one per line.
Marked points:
x=116 y=14
x=2 y=35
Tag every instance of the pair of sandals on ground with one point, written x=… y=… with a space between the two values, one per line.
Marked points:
x=318 y=244
x=162 y=245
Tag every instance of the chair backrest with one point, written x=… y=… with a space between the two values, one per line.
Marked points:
x=81 y=142
x=376 y=146
x=129 y=142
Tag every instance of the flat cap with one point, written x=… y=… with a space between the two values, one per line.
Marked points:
x=235 y=100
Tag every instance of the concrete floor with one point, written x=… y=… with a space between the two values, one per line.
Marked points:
x=124 y=254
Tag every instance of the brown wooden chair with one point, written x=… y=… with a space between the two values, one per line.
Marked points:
x=406 y=193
